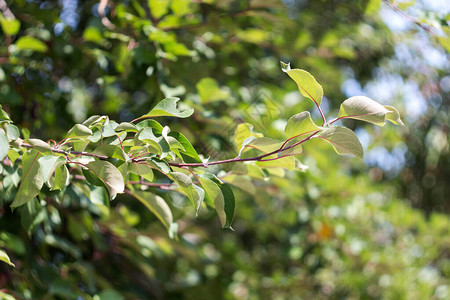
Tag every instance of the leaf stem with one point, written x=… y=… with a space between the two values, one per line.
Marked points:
x=321 y=113
x=238 y=159
x=68 y=153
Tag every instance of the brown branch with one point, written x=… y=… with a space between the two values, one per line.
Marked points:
x=238 y=159
x=70 y=152
x=6 y=11
x=422 y=25
x=101 y=9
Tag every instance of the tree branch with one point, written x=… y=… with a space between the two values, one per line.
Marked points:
x=422 y=25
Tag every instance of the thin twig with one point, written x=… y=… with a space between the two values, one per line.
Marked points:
x=70 y=152
x=102 y=12
x=422 y=25
x=6 y=11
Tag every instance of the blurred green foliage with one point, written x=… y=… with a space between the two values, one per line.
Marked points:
x=341 y=229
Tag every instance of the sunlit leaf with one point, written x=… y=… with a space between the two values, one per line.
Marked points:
x=40 y=145
x=114 y=151
x=31 y=180
x=265 y=144
x=209 y=90
x=61 y=178
x=180 y=7
x=156 y=127
x=160 y=165
x=187 y=146
x=187 y=186
x=393 y=115
x=307 y=84
x=79 y=130
x=92 y=178
x=9 y=26
x=141 y=169
x=173 y=143
x=373 y=6
x=273 y=161
x=12 y=132
x=168 y=107
x=128 y=127
x=146 y=135
x=244 y=131
x=343 y=140
x=109 y=175
x=300 y=124
x=366 y=109
x=5 y=258
x=13 y=155
x=30 y=43
x=48 y=164
x=158 y=8
x=4 y=117
x=156 y=205
x=4 y=145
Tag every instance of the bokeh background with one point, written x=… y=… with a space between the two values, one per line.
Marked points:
x=341 y=229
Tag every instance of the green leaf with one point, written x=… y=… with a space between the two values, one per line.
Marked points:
x=244 y=131
x=157 y=128
x=4 y=296
x=128 y=127
x=180 y=7
x=221 y=195
x=306 y=83
x=61 y=178
x=265 y=144
x=173 y=143
x=292 y=151
x=40 y=145
x=114 y=151
x=105 y=130
x=92 y=178
x=146 y=135
x=168 y=107
x=12 y=132
x=48 y=164
x=158 y=8
x=186 y=185
x=79 y=130
x=343 y=140
x=30 y=43
x=109 y=294
x=31 y=181
x=373 y=6
x=13 y=155
x=209 y=90
x=110 y=176
x=365 y=109
x=141 y=169
x=285 y=162
x=4 y=145
x=9 y=26
x=300 y=124
x=92 y=120
x=188 y=149
x=25 y=133
x=393 y=115
x=5 y=258
x=4 y=117
x=244 y=144
x=156 y=205
x=160 y=165
x=229 y=204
